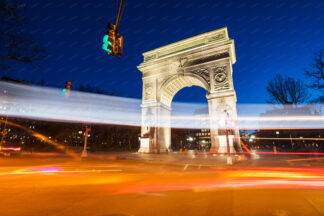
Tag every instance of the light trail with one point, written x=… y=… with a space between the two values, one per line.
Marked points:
x=39 y=136
x=306 y=159
x=48 y=104
x=274 y=153
x=245 y=147
x=16 y=149
x=204 y=186
x=242 y=178
x=291 y=153
x=283 y=118
x=288 y=138
x=54 y=170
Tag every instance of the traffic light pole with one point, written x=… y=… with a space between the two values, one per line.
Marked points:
x=66 y=93
x=119 y=13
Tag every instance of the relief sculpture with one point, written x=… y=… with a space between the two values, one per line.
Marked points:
x=221 y=79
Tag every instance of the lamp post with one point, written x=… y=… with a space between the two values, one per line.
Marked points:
x=84 y=152
x=277 y=144
x=229 y=158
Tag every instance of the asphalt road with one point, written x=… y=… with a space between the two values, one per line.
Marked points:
x=173 y=184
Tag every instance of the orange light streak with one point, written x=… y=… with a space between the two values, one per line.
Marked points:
x=245 y=147
x=36 y=134
x=287 y=138
x=274 y=153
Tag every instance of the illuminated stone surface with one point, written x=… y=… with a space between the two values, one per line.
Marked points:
x=204 y=60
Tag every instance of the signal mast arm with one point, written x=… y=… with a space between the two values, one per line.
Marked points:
x=119 y=14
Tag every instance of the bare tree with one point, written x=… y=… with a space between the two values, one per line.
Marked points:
x=286 y=91
x=316 y=73
x=15 y=43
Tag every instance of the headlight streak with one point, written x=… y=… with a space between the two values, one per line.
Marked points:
x=292 y=138
x=214 y=184
x=35 y=134
x=16 y=149
x=54 y=170
x=238 y=178
x=48 y=104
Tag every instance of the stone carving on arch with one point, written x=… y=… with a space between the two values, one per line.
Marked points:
x=221 y=78
x=203 y=73
x=148 y=94
x=204 y=60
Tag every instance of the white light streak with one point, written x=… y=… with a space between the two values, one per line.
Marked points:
x=48 y=104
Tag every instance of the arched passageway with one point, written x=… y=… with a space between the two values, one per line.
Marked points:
x=192 y=137
x=205 y=61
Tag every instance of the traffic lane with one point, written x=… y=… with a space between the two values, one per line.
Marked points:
x=97 y=169
x=85 y=200
x=78 y=187
x=173 y=159
x=152 y=181
x=211 y=159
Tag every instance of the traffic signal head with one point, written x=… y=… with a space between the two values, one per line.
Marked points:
x=63 y=92
x=68 y=85
x=109 y=40
x=112 y=41
x=120 y=41
x=108 y=43
x=66 y=90
x=105 y=43
x=110 y=26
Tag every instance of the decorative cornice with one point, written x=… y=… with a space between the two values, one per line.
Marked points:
x=212 y=37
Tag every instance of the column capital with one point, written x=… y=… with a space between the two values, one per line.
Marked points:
x=221 y=94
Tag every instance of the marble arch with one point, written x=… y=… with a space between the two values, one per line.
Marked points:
x=204 y=60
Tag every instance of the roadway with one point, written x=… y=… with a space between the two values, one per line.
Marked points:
x=165 y=184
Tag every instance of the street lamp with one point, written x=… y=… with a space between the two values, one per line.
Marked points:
x=190 y=139
x=84 y=152
x=275 y=146
x=229 y=158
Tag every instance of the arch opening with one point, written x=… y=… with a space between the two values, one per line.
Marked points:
x=196 y=138
x=173 y=85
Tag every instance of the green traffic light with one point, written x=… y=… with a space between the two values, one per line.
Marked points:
x=63 y=92
x=105 y=38
x=106 y=43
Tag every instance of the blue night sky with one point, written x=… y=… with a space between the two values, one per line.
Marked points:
x=270 y=37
